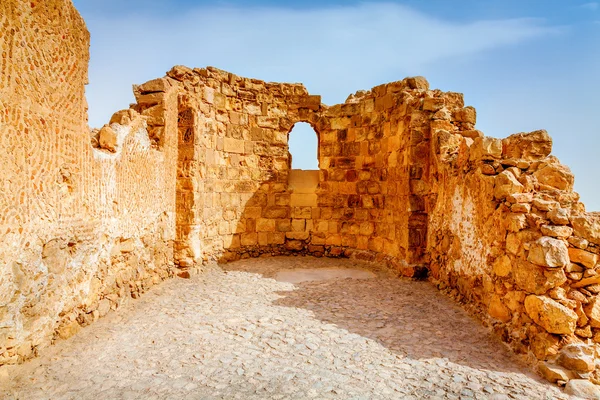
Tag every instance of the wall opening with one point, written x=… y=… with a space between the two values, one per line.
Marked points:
x=304 y=147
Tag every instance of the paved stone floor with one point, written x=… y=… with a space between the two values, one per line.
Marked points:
x=237 y=334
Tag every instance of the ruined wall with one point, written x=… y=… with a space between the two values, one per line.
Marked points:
x=198 y=170
x=238 y=196
x=508 y=235
x=82 y=228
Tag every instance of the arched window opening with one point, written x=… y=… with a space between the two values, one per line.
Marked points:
x=304 y=147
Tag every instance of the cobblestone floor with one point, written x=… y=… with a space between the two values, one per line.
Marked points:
x=238 y=334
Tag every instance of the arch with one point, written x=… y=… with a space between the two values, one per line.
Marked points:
x=303 y=146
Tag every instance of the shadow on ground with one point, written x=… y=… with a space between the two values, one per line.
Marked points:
x=410 y=318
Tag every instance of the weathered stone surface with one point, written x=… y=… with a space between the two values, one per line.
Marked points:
x=506 y=184
x=583 y=388
x=585 y=258
x=592 y=310
x=550 y=315
x=577 y=357
x=502 y=266
x=556 y=176
x=108 y=138
x=498 y=310
x=537 y=279
x=486 y=148
x=548 y=252
x=559 y=216
x=562 y=232
x=529 y=146
x=587 y=226
x=553 y=373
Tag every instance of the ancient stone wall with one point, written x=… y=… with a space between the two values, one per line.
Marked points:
x=508 y=236
x=87 y=220
x=238 y=196
x=198 y=170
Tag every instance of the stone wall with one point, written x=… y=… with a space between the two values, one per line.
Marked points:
x=88 y=220
x=238 y=196
x=198 y=170
x=509 y=237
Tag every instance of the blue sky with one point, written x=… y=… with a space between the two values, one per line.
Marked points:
x=524 y=65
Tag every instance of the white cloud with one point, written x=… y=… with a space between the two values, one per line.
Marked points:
x=334 y=51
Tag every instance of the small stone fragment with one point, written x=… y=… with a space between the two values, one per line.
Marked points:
x=553 y=373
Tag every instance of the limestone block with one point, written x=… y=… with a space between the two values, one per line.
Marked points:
x=265 y=225
x=531 y=146
x=498 y=310
x=578 y=242
x=468 y=115
x=297 y=235
x=249 y=239
x=154 y=85
x=554 y=373
x=555 y=175
x=506 y=184
x=587 y=226
x=433 y=103
x=560 y=231
x=548 y=252
x=536 y=279
x=577 y=357
x=417 y=82
x=545 y=345
x=592 y=310
x=303 y=200
x=545 y=205
x=302 y=212
x=516 y=222
x=108 y=138
x=520 y=208
x=276 y=238
x=559 y=216
x=585 y=258
x=231 y=145
x=550 y=315
x=298 y=225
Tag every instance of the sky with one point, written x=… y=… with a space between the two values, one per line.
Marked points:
x=524 y=65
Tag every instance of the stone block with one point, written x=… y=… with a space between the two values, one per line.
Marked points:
x=548 y=252
x=265 y=225
x=231 y=145
x=303 y=200
x=531 y=146
x=585 y=258
x=551 y=315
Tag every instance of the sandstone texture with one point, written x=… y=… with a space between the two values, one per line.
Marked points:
x=198 y=171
